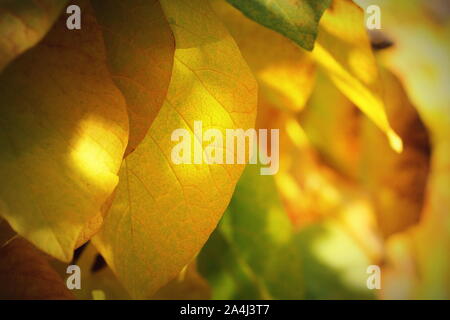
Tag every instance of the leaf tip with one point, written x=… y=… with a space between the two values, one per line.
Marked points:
x=395 y=141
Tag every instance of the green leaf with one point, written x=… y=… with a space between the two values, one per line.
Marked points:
x=263 y=256
x=253 y=239
x=298 y=20
x=227 y=273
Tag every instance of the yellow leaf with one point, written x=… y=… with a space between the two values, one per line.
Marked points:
x=343 y=50
x=23 y=24
x=188 y=285
x=420 y=59
x=140 y=49
x=163 y=213
x=284 y=71
x=332 y=123
x=26 y=274
x=96 y=283
x=99 y=282
x=90 y=229
x=64 y=130
x=397 y=182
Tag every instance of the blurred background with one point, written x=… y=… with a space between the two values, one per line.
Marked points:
x=344 y=199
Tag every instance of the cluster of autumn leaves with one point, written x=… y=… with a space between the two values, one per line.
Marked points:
x=87 y=117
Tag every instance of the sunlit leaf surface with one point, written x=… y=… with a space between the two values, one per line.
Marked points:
x=164 y=212
x=343 y=50
x=284 y=71
x=64 y=130
x=140 y=48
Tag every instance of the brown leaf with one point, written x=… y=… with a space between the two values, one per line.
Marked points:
x=25 y=273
